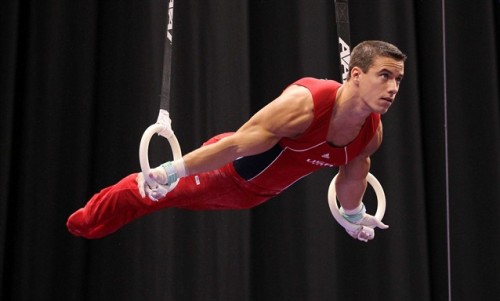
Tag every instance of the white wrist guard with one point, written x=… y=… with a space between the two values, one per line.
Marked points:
x=355 y=215
x=174 y=170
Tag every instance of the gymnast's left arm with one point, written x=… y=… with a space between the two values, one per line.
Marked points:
x=351 y=185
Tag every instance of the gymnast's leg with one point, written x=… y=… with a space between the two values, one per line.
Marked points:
x=119 y=204
x=109 y=210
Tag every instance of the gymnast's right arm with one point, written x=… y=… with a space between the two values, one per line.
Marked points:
x=289 y=115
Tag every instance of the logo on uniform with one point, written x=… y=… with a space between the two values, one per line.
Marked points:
x=319 y=163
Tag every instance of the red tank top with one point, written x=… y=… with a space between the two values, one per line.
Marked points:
x=292 y=159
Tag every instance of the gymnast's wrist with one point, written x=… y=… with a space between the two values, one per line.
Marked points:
x=174 y=170
x=354 y=215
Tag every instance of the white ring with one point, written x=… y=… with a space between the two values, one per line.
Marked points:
x=144 y=157
x=334 y=208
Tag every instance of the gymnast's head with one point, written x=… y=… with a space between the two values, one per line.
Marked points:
x=365 y=53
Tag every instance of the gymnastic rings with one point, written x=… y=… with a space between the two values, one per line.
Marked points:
x=334 y=208
x=165 y=130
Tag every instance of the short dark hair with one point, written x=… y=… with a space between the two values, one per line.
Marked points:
x=364 y=54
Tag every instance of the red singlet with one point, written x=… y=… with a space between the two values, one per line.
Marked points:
x=244 y=183
x=292 y=159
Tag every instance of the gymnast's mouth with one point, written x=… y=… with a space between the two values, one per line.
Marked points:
x=389 y=99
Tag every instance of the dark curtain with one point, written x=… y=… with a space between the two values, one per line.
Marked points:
x=80 y=82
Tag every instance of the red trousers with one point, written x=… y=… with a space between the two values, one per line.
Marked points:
x=119 y=204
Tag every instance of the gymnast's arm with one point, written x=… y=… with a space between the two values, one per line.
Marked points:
x=351 y=180
x=289 y=115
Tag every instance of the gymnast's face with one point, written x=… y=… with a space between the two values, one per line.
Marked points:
x=380 y=84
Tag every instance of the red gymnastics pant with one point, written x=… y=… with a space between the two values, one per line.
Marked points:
x=119 y=204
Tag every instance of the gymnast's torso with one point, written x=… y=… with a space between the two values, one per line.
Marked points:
x=292 y=159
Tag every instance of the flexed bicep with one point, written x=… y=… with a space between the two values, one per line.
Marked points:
x=289 y=115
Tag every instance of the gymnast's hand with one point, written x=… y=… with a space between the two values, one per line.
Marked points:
x=367 y=224
x=160 y=188
x=164 y=178
x=367 y=230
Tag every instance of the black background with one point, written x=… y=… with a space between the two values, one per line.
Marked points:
x=80 y=82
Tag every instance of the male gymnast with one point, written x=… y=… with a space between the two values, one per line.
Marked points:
x=313 y=124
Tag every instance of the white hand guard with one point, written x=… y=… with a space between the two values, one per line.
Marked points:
x=164 y=176
x=366 y=222
x=159 y=190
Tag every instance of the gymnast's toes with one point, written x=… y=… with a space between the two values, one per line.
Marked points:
x=76 y=224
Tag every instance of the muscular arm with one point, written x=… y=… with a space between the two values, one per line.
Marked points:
x=289 y=115
x=351 y=181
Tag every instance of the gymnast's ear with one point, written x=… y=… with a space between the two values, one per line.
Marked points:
x=355 y=72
